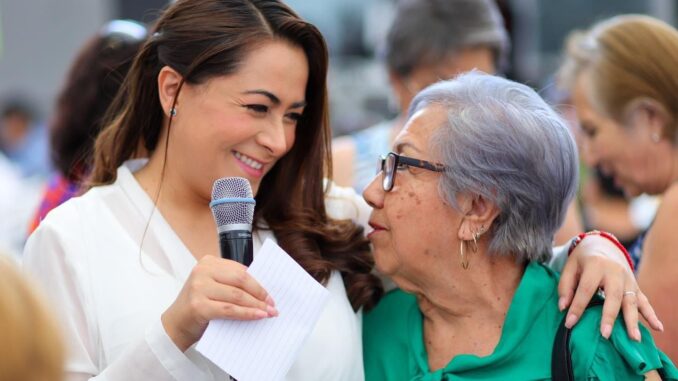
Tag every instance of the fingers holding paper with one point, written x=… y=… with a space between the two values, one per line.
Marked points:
x=216 y=289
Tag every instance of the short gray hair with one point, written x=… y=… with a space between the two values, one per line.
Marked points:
x=425 y=31
x=503 y=142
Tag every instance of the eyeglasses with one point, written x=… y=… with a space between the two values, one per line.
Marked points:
x=392 y=161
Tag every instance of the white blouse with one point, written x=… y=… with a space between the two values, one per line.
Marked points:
x=110 y=293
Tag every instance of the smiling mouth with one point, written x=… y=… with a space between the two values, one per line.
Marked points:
x=252 y=163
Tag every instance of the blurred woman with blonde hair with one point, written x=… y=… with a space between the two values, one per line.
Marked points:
x=31 y=347
x=624 y=85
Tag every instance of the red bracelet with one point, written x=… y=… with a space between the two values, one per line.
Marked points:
x=606 y=235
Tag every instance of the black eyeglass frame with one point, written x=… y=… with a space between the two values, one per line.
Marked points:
x=389 y=176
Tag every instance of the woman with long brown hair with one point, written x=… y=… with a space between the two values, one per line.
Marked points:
x=220 y=88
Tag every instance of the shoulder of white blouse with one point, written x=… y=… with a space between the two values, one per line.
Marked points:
x=70 y=223
x=345 y=203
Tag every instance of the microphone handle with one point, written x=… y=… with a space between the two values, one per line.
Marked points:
x=236 y=245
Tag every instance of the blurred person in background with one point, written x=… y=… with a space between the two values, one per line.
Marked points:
x=24 y=165
x=601 y=204
x=624 y=83
x=427 y=41
x=20 y=186
x=18 y=198
x=91 y=84
x=604 y=206
x=466 y=239
x=30 y=344
x=23 y=140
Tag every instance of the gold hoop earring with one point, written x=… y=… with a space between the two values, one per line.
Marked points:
x=464 y=259
x=474 y=248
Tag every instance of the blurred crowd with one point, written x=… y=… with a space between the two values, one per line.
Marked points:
x=364 y=92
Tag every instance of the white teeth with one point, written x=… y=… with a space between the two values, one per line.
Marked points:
x=247 y=160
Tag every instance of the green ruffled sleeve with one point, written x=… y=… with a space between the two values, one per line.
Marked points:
x=621 y=358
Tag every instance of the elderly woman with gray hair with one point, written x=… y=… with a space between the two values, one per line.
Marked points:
x=465 y=209
x=429 y=40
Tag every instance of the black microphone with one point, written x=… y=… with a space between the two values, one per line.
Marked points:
x=233 y=209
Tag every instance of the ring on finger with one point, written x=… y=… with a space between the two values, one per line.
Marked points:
x=629 y=293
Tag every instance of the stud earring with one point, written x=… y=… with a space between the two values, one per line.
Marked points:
x=655 y=137
x=173 y=112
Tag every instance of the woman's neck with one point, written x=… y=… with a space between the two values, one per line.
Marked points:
x=184 y=210
x=466 y=315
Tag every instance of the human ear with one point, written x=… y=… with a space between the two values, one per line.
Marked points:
x=649 y=116
x=479 y=214
x=169 y=82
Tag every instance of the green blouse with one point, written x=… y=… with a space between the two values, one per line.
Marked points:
x=393 y=345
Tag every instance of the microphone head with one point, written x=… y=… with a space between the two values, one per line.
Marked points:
x=232 y=203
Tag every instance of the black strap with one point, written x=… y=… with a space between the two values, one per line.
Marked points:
x=561 y=358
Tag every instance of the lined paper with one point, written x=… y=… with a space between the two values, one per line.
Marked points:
x=266 y=349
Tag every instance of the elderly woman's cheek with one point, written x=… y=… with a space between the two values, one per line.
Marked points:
x=388 y=246
x=414 y=197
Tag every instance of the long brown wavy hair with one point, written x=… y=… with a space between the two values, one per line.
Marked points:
x=202 y=39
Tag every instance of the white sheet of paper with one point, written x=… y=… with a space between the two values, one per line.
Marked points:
x=265 y=349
